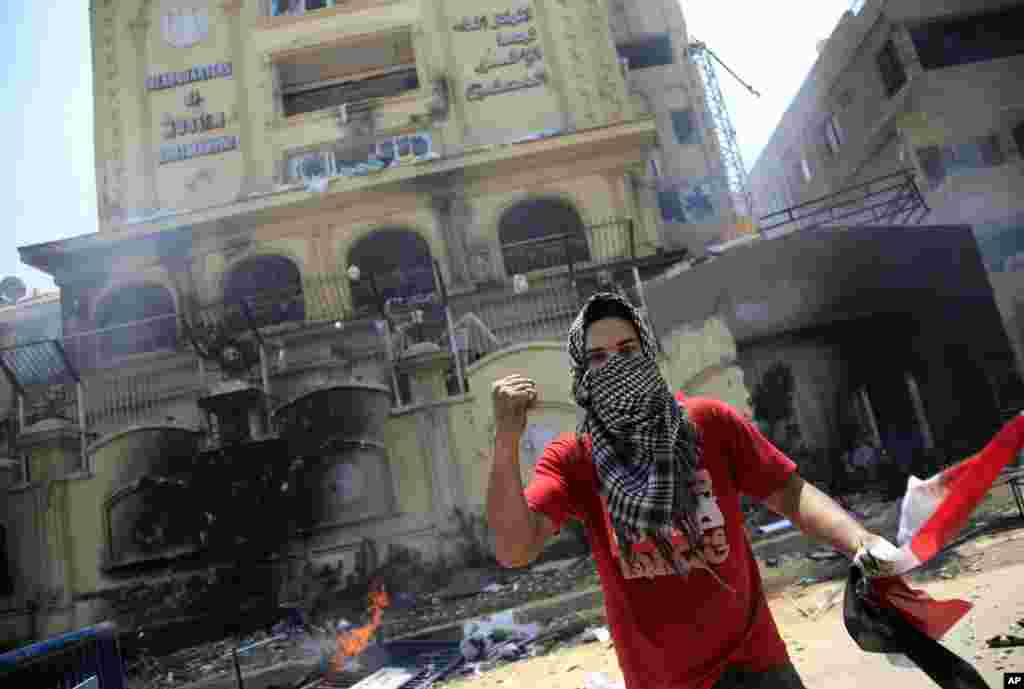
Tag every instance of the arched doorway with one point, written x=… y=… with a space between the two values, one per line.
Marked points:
x=136 y=319
x=399 y=261
x=535 y=232
x=271 y=288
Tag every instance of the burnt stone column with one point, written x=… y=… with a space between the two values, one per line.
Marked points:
x=455 y=217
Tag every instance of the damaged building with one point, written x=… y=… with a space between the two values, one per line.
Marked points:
x=324 y=230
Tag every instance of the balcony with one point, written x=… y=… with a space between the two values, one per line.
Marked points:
x=281 y=11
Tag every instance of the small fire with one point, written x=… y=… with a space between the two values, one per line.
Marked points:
x=352 y=642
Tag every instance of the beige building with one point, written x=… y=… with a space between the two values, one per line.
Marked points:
x=932 y=88
x=254 y=350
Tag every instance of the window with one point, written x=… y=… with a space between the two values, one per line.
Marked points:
x=1018 y=138
x=280 y=8
x=652 y=51
x=930 y=159
x=965 y=40
x=271 y=288
x=328 y=76
x=400 y=263
x=833 y=135
x=894 y=76
x=671 y=205
x=684 y=127
x=541 y=233
x=804 y=169
x=976 y=154
x=939 y=162
x=322 y=97
x=136 y=319
x=655 y=167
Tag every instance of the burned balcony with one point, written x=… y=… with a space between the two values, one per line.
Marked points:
x=367 y=69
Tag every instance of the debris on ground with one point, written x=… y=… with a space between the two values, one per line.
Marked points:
x=1005 y=641
x=599 y=680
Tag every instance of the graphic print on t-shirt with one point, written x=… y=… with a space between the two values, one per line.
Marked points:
x=714 y=544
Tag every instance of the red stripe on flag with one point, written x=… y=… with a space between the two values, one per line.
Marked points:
x=965 y=485
x=933 y=617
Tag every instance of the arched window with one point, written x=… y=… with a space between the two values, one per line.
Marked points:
x=270 y=286
x=136 y=319
x=399 y=262
x=541 y=233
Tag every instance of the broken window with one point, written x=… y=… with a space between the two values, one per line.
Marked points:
x=396 y=83
x=964 y=40
x=894 y=75
x=541 y=233
x=651 y=51
x=382 y=66
x=395 y=262
x=136 y=319
x=684 y=126
x=271 y=289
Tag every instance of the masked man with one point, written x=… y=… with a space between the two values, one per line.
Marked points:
x=656 y=479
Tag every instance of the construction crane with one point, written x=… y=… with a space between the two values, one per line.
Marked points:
x=735 y=172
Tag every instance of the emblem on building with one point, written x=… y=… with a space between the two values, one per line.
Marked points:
x=183 y=27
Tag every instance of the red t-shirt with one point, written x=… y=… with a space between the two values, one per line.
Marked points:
x=674 y=632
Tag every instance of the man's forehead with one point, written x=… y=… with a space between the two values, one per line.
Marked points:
x=611 y=332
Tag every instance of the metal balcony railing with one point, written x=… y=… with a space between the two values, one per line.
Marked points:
x=893 y=199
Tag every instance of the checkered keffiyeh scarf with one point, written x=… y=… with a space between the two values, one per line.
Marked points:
x=645 y=447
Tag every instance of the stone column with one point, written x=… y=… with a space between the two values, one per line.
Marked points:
x=54 y=450
x=427 y=368
x=454 y=217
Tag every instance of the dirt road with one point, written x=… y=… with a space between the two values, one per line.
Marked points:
x=991 y=576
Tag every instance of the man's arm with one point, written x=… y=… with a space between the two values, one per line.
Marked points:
x=520 y=533
x=819 y=516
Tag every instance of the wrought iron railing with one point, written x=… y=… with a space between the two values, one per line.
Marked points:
x=603 y=242
x=889 y=200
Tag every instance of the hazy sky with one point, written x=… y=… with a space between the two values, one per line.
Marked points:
x=47 y=117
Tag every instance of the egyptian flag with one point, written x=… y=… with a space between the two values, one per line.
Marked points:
x=883 y=614
x=935 y=510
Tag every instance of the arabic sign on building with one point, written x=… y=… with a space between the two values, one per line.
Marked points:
x=511 y=47
x=169 y=80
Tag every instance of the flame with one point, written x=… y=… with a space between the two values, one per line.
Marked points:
x=353 y=642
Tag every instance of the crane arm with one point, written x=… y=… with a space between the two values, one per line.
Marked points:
x=700 y=45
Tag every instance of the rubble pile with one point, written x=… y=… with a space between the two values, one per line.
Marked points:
x=488 y=591
x=498 y=590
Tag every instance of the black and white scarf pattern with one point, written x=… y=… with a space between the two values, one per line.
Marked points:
x=645 y=447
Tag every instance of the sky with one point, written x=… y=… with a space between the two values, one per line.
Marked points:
x=47 y=114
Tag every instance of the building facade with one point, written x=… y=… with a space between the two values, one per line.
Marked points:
x=325 y=229
x=928 y=87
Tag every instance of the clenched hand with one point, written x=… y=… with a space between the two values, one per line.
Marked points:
x=513 y=396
